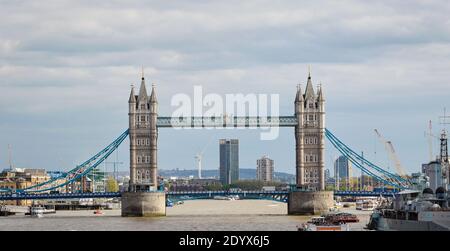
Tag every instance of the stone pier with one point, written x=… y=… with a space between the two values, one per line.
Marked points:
x=143 y=204
x=309 y=202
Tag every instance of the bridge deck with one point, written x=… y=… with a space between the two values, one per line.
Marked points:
x=47 y=196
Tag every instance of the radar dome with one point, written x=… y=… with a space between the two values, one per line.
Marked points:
x=440 y=190
x=427 y=191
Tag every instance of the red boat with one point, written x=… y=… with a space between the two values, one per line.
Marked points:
x=341 y=218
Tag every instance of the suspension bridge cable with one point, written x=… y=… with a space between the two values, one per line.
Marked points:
x=359 y=157
x=351 y=154
x=73 y=173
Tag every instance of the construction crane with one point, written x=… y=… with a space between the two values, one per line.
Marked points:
x=430 y=137
x=392 y=154
x=199 y=156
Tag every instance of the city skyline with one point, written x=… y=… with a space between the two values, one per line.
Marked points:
x=63 y=97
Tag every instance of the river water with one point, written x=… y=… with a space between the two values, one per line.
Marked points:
x=238 y=215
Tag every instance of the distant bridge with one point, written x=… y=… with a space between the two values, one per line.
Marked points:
x=195 y=194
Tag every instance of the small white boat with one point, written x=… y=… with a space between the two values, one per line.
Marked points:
x=359 y=205
x=369 y=205
x=222 y=198
x=37 y=211
x=313 y=227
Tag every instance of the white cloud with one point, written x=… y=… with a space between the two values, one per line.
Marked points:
x=69 y=56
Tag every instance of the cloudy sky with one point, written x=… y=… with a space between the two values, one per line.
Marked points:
x=66 y=69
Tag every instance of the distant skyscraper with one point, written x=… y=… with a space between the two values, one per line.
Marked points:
x=229 y=161
x=264 y=169
x=327 y=174
x=342 y=170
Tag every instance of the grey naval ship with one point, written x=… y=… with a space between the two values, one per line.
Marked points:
x=414 y=211
x=425 y=206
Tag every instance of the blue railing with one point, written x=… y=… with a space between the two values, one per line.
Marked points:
x=50 y=196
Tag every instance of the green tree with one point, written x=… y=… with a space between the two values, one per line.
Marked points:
x=213 y=187
x=112 y=185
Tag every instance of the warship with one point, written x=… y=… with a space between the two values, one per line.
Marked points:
x=423 y=207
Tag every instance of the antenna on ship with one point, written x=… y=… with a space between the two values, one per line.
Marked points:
x=443 y=157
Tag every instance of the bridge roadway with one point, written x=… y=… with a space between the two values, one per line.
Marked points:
x=50 y=196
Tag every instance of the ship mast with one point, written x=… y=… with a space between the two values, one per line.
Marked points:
x=443 y=157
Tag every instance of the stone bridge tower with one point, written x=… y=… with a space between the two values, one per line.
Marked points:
x=310 y=138
x=143 y=113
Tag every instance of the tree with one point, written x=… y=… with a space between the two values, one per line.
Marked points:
x=111 y=185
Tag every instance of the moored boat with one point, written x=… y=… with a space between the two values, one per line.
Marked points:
x=322 y=224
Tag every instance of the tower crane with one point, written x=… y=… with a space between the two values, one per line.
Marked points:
x=392 y=154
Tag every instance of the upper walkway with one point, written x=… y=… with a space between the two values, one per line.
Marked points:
x=274 y=121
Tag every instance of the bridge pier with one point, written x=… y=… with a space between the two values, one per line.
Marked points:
x=143 y=204
x=309 y=202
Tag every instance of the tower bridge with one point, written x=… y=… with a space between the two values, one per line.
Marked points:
x=180 y=194
x=308 y=121
x=143 y=197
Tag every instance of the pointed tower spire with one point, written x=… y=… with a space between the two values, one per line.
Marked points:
x=143 y=96
x=153 y=95
x=320 y=94
x=309 y=71
x=132 y=98
x=299 y=96
x=309 y=92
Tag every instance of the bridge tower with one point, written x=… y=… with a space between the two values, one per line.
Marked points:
x=142 y=198
x=143 y=113
x=310 y=137
x=310 y=197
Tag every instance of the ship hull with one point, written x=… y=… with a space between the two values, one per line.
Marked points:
x=385 y=224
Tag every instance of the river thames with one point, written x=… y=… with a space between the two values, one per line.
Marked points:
x=198 y=215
